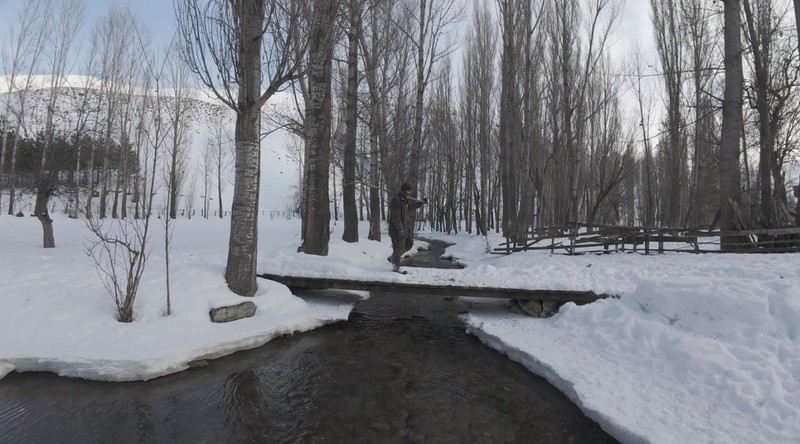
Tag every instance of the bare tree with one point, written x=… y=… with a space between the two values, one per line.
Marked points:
x=528 y=163
x=231 y=47
x=119 y=254
x=64 y=26
x=207 y=173
x=121 y=246
x=610 y=153
x=177 y=150
x=190 y=192
x=699 y=47
x=115 y=34
x=667 y=25
x=129 y=114
x=477 y=95
x=381 y=49
x=774 y=81
x=371 y=50
x=83 y=101
x=647 y=194
x=222 y=142
x=432 y=19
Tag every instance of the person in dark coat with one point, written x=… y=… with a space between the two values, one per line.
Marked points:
x=401 y=228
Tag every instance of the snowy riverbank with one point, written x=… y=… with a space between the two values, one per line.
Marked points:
x=696 y=349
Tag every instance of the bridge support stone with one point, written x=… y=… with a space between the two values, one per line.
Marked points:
x=535 y=308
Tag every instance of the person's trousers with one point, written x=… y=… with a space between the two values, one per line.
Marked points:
x=398 y=248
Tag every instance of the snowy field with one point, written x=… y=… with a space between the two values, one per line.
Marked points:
x=700 y=349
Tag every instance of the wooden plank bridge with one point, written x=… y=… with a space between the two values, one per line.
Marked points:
x=315 y=283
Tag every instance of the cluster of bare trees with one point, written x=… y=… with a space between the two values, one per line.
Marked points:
x=110 y=108
x=558 y=129
x=245 y=51
x=540 y=124
x=526 y=118
x=567 y=152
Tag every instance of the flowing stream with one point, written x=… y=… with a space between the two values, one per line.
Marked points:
x=401 y=369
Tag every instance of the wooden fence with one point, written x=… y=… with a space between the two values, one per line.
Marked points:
x=580 y=239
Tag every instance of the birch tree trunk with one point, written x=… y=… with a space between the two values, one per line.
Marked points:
x=240 y=270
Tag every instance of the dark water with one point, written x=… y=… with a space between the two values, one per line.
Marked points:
x=400 y=370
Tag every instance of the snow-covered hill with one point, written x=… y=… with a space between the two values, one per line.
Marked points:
x=204 y=111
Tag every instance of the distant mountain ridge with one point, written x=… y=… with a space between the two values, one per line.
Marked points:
x=203 y=107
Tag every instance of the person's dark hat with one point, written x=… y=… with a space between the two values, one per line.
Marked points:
x=406 y=187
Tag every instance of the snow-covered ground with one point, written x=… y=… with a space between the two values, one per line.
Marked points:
x=696 y=348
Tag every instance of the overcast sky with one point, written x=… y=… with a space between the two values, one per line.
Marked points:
x=158 y=17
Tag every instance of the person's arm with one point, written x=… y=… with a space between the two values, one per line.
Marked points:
x=414 y=203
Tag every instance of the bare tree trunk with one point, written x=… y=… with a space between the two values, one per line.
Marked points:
x=173 y=172
x=524 y=161
x=242 y=253
x=3 y=144
x=219 y=181
x=797 y=25
x=351 y=123
x=509 y=114
x=40 y=209
x=486 y=82
x=106 y=168
x=732 y=123
x=318 y=128
x=13 y=172
x=90 y=183
x=374 y=174
x=137 y=179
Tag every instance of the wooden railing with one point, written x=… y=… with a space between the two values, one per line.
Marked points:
x=580 y=239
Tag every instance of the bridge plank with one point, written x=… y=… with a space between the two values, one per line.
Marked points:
x=315 y=283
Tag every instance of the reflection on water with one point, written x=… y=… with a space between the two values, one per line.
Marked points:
x=400 y=370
